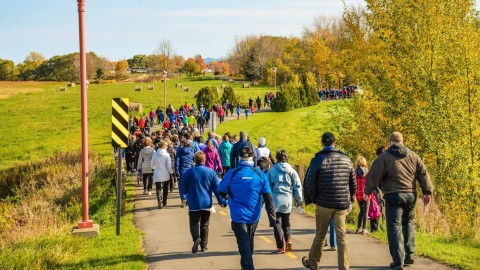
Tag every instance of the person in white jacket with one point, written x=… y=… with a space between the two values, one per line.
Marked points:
x=144 y=161
x=285 y=184
x=162 y=169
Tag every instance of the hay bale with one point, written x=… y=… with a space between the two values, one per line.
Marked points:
x=186 y=88
x=230 y=80
x=195 y=95
x=178 y=85
x=223 y=86
x=71 y=84
x=135 y=107
x=255 y=83
x=245 y=85
x=62 y=89
x=149 y=87
x=138 y=88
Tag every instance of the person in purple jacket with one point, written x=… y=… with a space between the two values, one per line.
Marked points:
x=212 y=157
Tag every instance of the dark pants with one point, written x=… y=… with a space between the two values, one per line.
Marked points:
x=282 y=230
x=147 y=181
x=245 y=234
x=173 y=180
x=201 y=129
x=363 y=215
x=400 y=214
x=158 y=186
x=225 y=170
x=199 y=221
x=374 y=225
x=129 y=159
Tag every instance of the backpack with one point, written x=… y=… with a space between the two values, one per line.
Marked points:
x=374 y=211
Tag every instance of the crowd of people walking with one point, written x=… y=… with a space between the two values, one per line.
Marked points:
x=246 y=178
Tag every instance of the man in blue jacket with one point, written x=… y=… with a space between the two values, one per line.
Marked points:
x=245 y=187
x=197 y=184
x=330 y=184
x=237 y=147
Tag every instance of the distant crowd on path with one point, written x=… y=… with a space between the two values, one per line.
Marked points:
x=335 y=94
x=250 y=177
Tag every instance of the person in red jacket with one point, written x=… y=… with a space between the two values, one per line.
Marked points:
x=141 y=123
x=361 y=170
x=166 y=124
x=220 y=113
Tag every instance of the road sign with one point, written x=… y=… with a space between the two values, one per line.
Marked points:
x=120 y=122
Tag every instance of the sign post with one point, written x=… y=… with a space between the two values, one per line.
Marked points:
x=119 y=140
x=212 y=121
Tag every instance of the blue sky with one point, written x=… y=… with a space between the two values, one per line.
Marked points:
x=119 y=29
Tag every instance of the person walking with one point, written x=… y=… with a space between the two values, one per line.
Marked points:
x=398 y=169
x=197 y=184
x=183 y=160
x=162 y=169
x=264 y=155
x=224 y=151
x=238 y=146
x=212 y=157
x=330 y=184
x=238 y=111
x=244 y=187
x=285 y=184
x=144 y=164
x=361 y=170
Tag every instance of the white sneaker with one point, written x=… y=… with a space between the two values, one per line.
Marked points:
x=149 y=193
x=144 y=192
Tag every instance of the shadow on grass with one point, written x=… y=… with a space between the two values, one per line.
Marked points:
x=102 y=262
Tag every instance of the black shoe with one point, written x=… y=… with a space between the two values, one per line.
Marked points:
x=203 y=248
x=408 y=260
x=159 y=205
x=195 y=245
x=305 y=262
x=396 y=267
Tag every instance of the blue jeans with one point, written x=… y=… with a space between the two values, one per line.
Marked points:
x=245 y=234
x=400 y=214
x=333 y=239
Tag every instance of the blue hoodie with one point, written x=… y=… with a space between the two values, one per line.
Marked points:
x=245 y=192
x=197 y=184
x=284 y=182
x=183 y=160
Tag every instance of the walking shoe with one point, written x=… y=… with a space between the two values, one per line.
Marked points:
x=396 y=267
x=144 y=191
x=159 y=205
x=408 y=260
x=305 y=262
x=288 y=246
x=364 y=231
x=358 y=230
x=149 y=193
x=203 y=248
x=279 y=251
x=183 y=203
x=333 y=249
x=195 y=245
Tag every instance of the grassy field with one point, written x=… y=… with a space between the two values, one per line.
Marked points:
x=39 y=120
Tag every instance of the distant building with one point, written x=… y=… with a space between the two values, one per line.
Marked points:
x=138 y=70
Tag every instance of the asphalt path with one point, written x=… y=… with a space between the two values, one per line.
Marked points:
x=167 y=241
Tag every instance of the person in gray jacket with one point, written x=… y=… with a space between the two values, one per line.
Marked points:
x=285 y=184
x=398 y=169
x=144 y=163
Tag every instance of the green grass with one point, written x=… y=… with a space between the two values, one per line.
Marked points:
x=59 y=249
x=39 y=121
x=298 y=131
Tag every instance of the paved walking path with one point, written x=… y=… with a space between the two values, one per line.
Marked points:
x=168 y=243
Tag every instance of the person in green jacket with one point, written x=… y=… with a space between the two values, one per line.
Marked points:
x=224 y=151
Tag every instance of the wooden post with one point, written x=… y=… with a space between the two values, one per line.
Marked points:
x=301 y=171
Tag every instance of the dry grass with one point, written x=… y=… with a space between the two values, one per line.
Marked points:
x=9 y=89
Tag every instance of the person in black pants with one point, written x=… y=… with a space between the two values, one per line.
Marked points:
x=197 y=184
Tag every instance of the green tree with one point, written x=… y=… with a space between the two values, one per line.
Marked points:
x=138 y=60
x=207 y=96
x=7 y=70
x=228 y=94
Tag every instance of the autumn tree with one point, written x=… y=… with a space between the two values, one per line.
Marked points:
x=121 y=69
x=164 y=55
